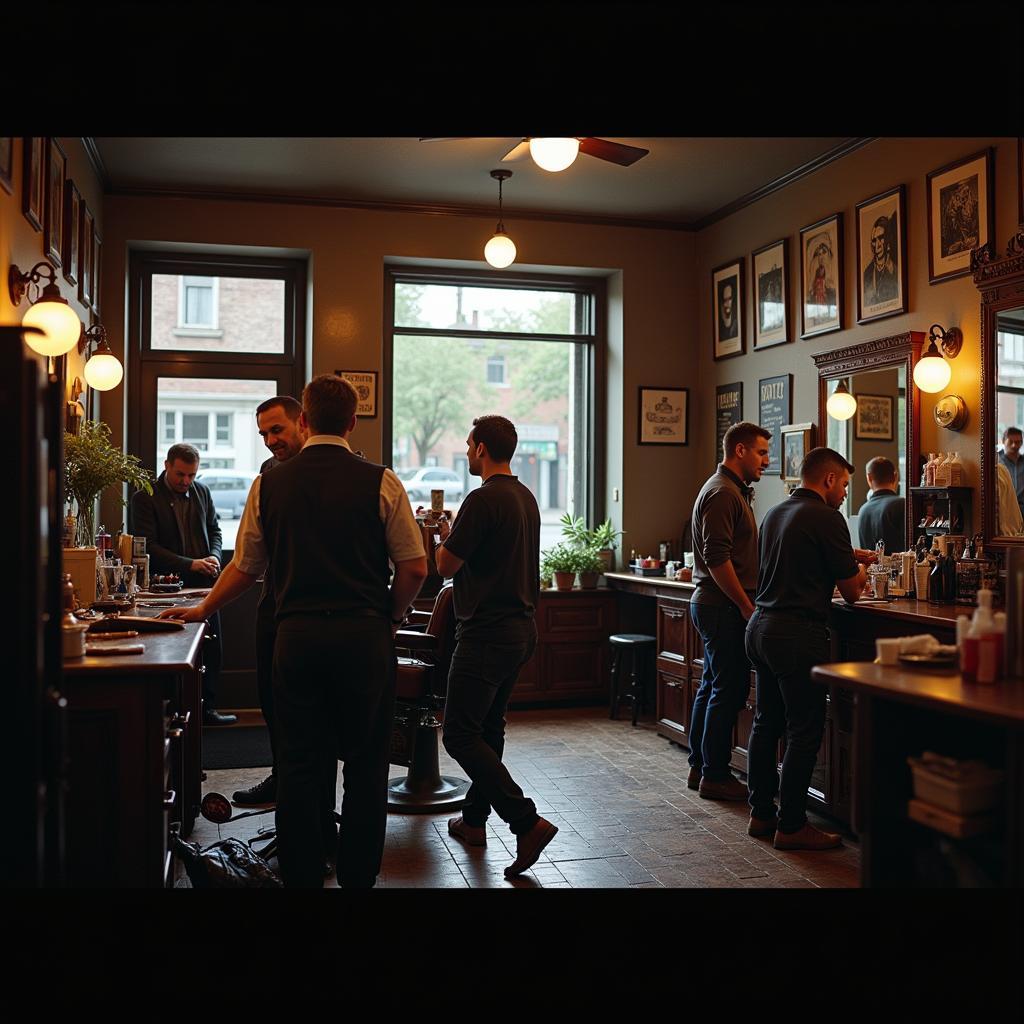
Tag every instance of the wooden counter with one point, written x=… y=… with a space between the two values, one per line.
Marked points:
x=901 y=712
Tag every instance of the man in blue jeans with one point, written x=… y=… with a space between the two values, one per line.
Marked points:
x=492 y=554
x=725 y=574
x=805 y=552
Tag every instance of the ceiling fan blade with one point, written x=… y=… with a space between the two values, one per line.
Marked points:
x=459 y=138
x=616 y=152
x=520 y=149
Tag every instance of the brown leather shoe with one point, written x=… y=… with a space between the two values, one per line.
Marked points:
x=807 y=838
x=693 y=778
x=728 y=789
x=471 y=835
x=530 y=845
x=760 y=827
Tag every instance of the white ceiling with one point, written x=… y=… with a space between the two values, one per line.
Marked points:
x=681 y=182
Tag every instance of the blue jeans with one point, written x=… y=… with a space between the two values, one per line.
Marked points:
x=784 y=647
x=723 y=688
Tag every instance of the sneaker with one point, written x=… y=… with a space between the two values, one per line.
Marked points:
x=260 y=795
x=471 y=835
x=807 y=838
x=761 y=827
x=728 y=789
x=693 y=778
x=214 y=717
x=530 y=845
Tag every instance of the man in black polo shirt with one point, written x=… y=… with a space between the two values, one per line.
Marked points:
x=492 y=553
x=883 y=516
x=804 y=553
x=725 y=574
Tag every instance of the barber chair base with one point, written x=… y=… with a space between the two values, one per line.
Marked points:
x=423 y=790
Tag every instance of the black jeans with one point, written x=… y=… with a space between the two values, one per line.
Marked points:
x=334 y=695
x=783 y=648
x=480 y=683
x=723 y=688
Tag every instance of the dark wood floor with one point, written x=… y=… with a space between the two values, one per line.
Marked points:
x=626 y=820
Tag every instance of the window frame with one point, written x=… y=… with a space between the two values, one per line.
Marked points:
x=185 y=329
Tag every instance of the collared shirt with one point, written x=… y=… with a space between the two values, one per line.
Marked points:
x=1016 y=470
x=402 y=536
x=185 y=513
x=883 y=518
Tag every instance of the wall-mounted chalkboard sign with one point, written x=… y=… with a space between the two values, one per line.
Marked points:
x=728 y=410
x=775 y=397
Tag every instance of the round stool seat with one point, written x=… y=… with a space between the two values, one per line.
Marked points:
x=631 y=638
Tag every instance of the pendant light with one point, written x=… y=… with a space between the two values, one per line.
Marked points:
x=50 y=314
x=841 y=405
x=554 y=154
x=931 y=371
x=500 y=251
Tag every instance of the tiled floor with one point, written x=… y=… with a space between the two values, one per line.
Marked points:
x=626 y=819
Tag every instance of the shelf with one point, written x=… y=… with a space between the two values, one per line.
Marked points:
x=943 y=492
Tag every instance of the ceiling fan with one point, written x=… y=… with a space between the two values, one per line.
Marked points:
x=557 y=154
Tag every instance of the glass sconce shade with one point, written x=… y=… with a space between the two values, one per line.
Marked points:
x=103 y=371
x=932 y=372
x=500 y=251
x=841 y=405
x=60 y=326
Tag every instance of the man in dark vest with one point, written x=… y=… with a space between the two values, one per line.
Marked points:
x=182 y=532
x=326 y=523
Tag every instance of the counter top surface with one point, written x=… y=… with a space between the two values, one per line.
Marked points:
x=907 y=608
x=658 y=581
x=938 y=690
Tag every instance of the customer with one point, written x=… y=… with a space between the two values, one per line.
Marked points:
x=725 y=574
x=183 y=536
x=1011 y=458
x=804 y=553
x=492 y=553
x=883 y=516
x=326 y=522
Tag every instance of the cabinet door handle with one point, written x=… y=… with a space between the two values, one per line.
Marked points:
x=673 y=613
x=169 y=797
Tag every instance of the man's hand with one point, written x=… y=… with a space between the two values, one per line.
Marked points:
x=209 y=566
x=443 y=528
x=183 y=614
x=865 y=557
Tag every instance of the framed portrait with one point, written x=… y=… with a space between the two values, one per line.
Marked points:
x=664 y=416
x=821 y=277
x=770 y=273
x=727 y=309
x=797 y=441
x=961 y=214
x=56 y=173
x=70 y=252
x=365 y=383
x=728 y=411
x=85 y=231
x=97 y=251
x=873 y=418
x=775 y=407
x=32 y=188
x=882 y=255
x=7 y=164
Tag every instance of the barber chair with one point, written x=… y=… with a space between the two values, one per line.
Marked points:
x=422 y=682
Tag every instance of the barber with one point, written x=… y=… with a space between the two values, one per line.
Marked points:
x=327 y=522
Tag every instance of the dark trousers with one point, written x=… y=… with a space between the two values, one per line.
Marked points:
x=723 y=688
x=213 y=657
x=480 y=683
x=783 y=648
x=334 y=697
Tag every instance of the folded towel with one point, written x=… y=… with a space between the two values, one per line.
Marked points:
x=923 y=643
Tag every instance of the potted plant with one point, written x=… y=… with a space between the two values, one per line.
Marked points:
x=604 y=539
x=560 y=563
x=590 y=564
x=91 y=465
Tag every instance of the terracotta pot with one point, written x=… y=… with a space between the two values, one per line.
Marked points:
x=608 y=556
x=588 y=580
x=564 y=580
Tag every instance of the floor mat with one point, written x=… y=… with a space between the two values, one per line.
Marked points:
x=237 y=747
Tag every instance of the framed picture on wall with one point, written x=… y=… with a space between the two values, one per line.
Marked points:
x=32 y=185
x=775 y=407
x=821 y=277
x=7 y=164
x=728 y=411
x=727 y=309
x=797 y=441
x=882 y=255
x=873 y=418
x=770 y=273
x=365 y=383
x=97 y=251
x=72 y=208
x=56 y=173
x=961 y=214
x=664 y=416
x=85 y=282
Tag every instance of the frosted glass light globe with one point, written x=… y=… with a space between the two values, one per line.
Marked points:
x=500 y=251
x=554 y=154
x=841 y=405
x=60 y=326
x=932 y=373
x=103 y=371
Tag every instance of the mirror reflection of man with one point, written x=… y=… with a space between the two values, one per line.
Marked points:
x=883 y=515
x=728 y=325
x=1010 y=457
x=880 y=274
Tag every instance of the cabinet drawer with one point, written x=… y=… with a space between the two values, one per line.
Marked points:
x=674 y=628
x=576 y=615
x=673 y=703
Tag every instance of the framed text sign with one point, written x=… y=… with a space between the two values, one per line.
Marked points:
x=365 y=383
x=775 y=409
x=728 y=411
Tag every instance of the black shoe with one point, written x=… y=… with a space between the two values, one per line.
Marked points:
x=214 y=717
x=261 y=794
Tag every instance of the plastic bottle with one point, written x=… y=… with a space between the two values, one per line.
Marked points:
x=928 y=478
x=982 y=625
x=990 y=651
x=941 y=473
x=956 y=471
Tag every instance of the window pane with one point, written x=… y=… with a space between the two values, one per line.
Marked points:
x=444 y=306
x=233 y=465
x=496 y=370
x=249 y=314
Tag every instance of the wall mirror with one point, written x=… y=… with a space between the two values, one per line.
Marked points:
x=884 y=415
x=1001 y=283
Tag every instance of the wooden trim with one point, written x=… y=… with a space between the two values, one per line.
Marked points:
x=96 y=162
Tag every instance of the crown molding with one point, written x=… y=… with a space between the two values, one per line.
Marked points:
x=93 y=153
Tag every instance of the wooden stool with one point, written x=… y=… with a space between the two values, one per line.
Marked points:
x=634 y=647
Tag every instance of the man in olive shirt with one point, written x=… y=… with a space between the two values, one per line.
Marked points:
x=804 y=553
x=725 y=573
x=883 y=516
x=492 y=553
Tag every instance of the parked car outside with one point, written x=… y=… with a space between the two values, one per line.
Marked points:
x=229 y=488
x=419 y=482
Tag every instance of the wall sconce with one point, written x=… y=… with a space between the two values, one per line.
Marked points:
x=841 y=405
x=932 y=372
x=103 y=371
x=50 y=314
x=500 y=251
